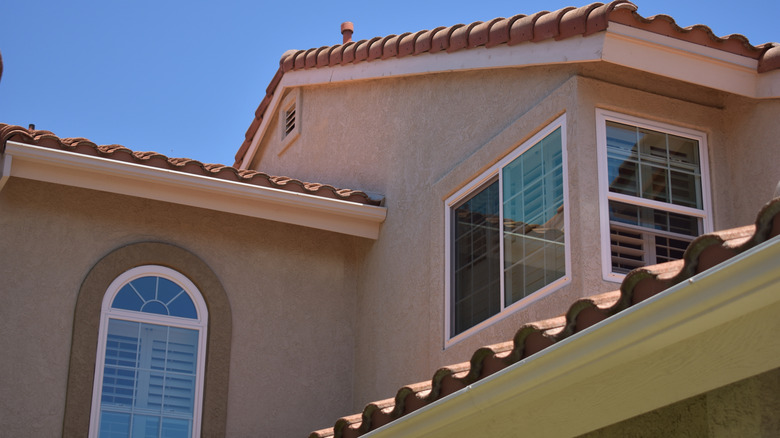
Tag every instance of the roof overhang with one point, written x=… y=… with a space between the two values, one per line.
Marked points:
x=711 y=330
x=618 y=44
x=96 y=173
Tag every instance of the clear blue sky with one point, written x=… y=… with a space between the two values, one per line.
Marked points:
x=184 y=78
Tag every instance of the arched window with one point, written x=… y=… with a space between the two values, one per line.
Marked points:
x=151 y=356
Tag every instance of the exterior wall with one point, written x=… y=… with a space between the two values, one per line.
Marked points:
x=416 y=140
x=747 y=408
x=751 y=152
x=291 y=292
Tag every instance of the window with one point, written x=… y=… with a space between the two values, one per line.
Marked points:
x=654 y=191
x=151 y=355
x=506 y=233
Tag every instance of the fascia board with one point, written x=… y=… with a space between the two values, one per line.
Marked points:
x=768 y=85
x=689 y=62
x=570 y=50
x=580 y=377
x=60 y=167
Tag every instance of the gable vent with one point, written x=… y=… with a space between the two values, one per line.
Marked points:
x=289 y=120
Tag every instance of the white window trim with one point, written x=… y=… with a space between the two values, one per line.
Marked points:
x=292 y=99
x=200 y=324
x=467 y=190
x=602 y=116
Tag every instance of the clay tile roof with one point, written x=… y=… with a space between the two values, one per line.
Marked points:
x=640 y=284
x=541 y=26
x=184 y=165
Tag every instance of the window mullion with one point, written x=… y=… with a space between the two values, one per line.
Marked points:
x=502 y=294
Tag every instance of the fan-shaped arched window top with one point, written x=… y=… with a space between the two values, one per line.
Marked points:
x=154 y=294
x=150 y=361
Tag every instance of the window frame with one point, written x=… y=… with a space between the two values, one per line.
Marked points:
x=107 y=312
x=605 y=195
x=471 y=188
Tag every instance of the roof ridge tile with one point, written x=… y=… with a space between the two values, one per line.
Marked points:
x=540 y=26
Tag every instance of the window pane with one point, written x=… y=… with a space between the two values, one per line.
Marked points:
x=533 y=219
x=621 y=140
x=145 y=426
x=653 y=165
x=155 y=295
x=652 y=144
x=167 y=290
x=683 y=150
x=654 y=219
x=179 y=393
x=476 y=259
x=182 y=306
x=176 y=428
x=127 y=298
x=114 y=425
x=686 y=189
x=654 y=183
x=623 y=176
x=146 y=287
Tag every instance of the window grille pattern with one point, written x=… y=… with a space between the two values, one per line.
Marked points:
x=646 y=164
x=148 y=382
x=508 y=235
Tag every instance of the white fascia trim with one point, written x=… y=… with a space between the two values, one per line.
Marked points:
x=738 y=287
x=5 y=169
x=570 y=50
x=689 y=62
x=60 y=167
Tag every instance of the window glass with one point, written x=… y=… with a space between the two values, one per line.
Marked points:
x=477 y=259
x=156 y=295
x=533 y=226
x=508 y=234
x=149 y=369
x=650 y=172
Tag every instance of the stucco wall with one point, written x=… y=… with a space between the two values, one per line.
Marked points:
x=747 y=408
x=291 y=292
x=416 y=140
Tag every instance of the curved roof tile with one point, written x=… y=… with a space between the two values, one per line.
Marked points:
x=184 y=165
x=541 y=26
x=703 y=253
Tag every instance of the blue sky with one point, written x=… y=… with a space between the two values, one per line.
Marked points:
x=184 y=78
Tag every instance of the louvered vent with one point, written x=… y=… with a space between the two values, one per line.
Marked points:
x=289 y=121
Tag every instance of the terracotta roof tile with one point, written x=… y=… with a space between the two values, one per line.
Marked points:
x=640 y=284
x=184 y=165
x=541 y=26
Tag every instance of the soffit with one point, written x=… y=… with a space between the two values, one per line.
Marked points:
x=704 y=253
x=541 y=26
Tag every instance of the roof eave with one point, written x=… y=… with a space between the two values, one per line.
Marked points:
x=711 y=330
x=96 y=173
x=618 y=44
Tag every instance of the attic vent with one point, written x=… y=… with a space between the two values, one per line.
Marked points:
x=289 y=120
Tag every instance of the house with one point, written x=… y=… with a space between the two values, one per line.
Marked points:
x=497 y=173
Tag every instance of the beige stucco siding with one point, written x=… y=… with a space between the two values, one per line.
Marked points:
x=416 y=140
x=291 y=291
x=747 y=408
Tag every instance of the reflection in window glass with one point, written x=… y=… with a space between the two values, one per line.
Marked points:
x=149 y=376
x=148 y=372
x=522 y=210
x=648 y=164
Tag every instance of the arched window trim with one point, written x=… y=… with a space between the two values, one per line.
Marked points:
x=200 y=323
